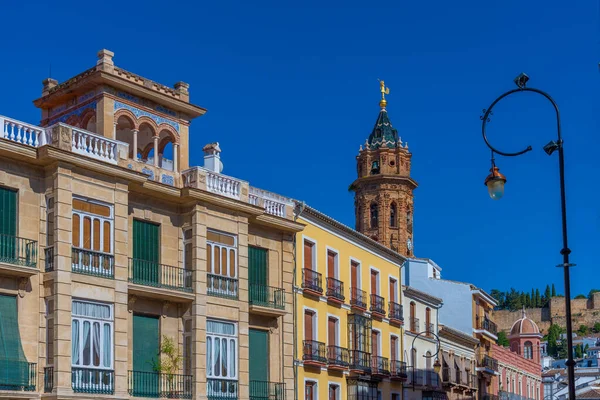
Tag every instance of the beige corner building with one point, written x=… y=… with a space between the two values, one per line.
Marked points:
x=124 y=271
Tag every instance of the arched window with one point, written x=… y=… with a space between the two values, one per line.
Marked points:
x=374 y=215
x=528 y=350
x=413 y=321
x=413 y=357
x=375 y=167
x=393 y=215
x=428 y=324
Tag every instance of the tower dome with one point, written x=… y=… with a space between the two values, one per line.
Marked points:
x=524 y=327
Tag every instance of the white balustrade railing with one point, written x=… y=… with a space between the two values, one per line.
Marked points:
x=223 y=185
x=94 y=146
x=273 y=203
x=21 y=132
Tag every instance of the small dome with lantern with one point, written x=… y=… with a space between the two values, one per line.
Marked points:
x=525 y=327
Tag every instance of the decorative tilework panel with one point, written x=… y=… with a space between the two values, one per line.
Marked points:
x=77 y=112
x=148 y=172
x=168 y=180
x=139 y=113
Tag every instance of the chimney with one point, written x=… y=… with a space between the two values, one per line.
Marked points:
x=212 y=157
x=183 y=89
x=105 y=60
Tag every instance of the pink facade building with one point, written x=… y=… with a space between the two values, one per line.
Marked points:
x=520 y=370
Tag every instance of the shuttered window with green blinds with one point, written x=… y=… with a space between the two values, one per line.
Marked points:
x=8 y=224
x=146 y=343
x=259 y=354
x=14 y=369
x=146 y=245
x=258 y=265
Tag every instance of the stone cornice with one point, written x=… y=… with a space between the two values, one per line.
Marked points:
x=222 y=201
x=387 y=179
x=457 y=337
x=280 y=223
x=425 y=297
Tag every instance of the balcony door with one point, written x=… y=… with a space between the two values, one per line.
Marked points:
x=8 y=223
x=393 y=290
x=354 y=275
x=146 y=247
x=374 y=278
x=146 y=344
x=258 y=276
x=259 y=371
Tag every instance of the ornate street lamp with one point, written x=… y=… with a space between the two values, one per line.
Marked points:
x=437 y=366
x=495 y=182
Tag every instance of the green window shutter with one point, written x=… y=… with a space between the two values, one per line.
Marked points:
x=259 y=354
x=8 y=212
x=13 y=364
x=146 y=245
x=146 y=349
x=258 y=265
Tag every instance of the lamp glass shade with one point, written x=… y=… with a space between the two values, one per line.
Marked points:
x=496 y=188
x=437 y=366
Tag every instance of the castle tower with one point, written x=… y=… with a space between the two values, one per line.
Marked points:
x=525 y=338
x=383 y=199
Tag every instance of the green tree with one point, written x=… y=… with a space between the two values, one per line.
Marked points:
x=499 y=296
x=503 y=339
x=591 y=294
x=581 y=296
x=538 y=299
x=596 y=327
x=513 y=300
x=553 y=291
x=561 y=350
x=583 y=330
x=533 y=298
x=585 y=349
x=547 y=295
x=553 y=335
x=578 y=351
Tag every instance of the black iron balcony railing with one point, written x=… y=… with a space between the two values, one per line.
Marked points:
x=314 y=351
x=429 y=329
x=423 y=377
x=93 y=263
x=48 y=379
x=158 y=385
x=335 y=289
x=221 y=389
x=472 y=380
x=432 y=378
x=222 y=286
x=358 y=298
x=360 y=361
x=267 y=296
x=377 y=304
x=18 y=251
x=487 y=396
x=263 y=390
x=49 y=258
x=446 y=375
x=94 y=381
x=17 y=375
x=149 y=273
x=395 y=311
x=398 y=369
x=414 y=325
x=312 y=280
x=503 y=395
x=338 y=356
x=488 y=363
x=487 y=325
x=380 y=366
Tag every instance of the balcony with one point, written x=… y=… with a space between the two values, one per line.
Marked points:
x=487 y=365
x=471 y=381
x=337 y=357
x=429 y=329
x=272 y=203
x=449 y=376
x=377 y=306
x=49 y=258
x=358 y=298
x=312 y=282
x=150 y=279
x=92 y=263
x=380 y=366
x=262 y=390
x=398 y=370
x=502 y=395
x=395 y=313
x=266 y=300
x=18 y=256
x=314 y=353
x=414 y=325
x=221 y=389
x=487 y=327
x=487 y=396
x=360 y=361
x=21 y=132
x=335 y=290
x=92 y=381
x=48 y=379
x=423 y=378
x=222 y=286
x=18 y=376
x=157 y=385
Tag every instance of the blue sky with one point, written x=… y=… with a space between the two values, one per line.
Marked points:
x=291 y=91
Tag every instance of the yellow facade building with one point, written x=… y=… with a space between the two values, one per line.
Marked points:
x=349 y=316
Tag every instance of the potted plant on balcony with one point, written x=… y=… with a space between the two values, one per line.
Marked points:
x=169 y=362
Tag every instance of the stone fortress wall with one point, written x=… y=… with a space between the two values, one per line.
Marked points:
x=584 y=312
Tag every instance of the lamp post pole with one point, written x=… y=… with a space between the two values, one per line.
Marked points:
x=436 y=365
x=495 y=183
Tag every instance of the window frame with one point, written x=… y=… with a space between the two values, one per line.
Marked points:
x=83 y=214
x=315 y=388
x=313 y=261
x=210 y=245
x=338 y=333
x=187 y=357
x=82 y=319
x=185 y=242
x=336 y=262
x=338 y=390
x=230 y=339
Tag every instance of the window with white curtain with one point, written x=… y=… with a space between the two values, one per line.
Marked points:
x=92 y=335
x=221 y=350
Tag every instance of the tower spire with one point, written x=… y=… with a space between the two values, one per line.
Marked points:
x=384 y=90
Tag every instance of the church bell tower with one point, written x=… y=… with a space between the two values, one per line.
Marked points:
x=383 y=191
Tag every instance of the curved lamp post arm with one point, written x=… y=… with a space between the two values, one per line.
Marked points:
x=437 y=364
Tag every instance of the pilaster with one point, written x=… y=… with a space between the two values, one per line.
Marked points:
x=199 y=305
